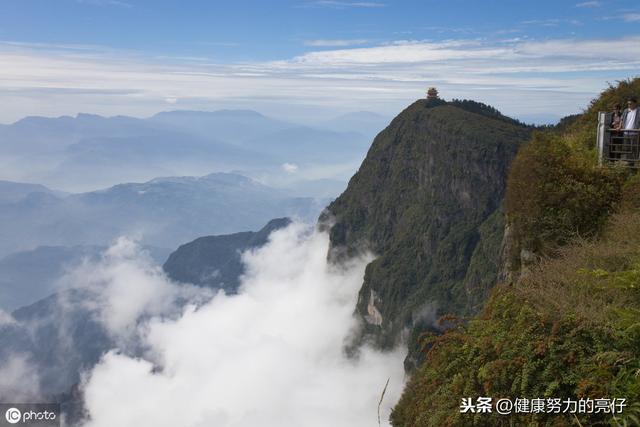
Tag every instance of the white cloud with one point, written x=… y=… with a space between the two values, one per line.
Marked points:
x=335 y=42
x=518 y=76
x=552 y=22
x=20 y=382
x=625 y=50
x=289 y=167
x=402 y=52
x=6 y=318
x=270 y=356
x=593 y=3
x=125 y=287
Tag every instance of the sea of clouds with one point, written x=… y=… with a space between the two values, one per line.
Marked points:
x=272 y=355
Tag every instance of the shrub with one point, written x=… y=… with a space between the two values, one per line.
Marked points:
x=571 y=329
x=555 y=193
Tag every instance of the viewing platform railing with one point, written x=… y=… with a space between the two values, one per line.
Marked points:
x=621 y=147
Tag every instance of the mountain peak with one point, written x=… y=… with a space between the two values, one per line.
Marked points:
x=426 y=200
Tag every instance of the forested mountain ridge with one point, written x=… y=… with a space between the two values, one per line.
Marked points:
x=565 y=323
x=426 y=201
x=216 y=261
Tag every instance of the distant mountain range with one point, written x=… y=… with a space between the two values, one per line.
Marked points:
x=163 y=212
x=232 y=126
x=88 y=151
x=13 y=192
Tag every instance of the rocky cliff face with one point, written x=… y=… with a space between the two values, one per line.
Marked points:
x=566 y=325
x=426 y=200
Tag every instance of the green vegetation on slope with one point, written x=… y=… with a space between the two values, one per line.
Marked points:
x=556 y=194
x=427 y=200
x=556 y=190
x=569 y=327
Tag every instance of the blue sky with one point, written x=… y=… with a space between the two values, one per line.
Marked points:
x=310 y=58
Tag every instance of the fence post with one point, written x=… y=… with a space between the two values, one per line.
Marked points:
x=601 y=135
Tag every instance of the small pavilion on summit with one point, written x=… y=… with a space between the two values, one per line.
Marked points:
x=432 y=93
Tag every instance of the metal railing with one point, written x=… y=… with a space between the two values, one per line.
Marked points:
x=621 y=147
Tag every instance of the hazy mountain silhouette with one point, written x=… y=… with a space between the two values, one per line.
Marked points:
x=163 y=212
x=28 y=276
x=88 y=151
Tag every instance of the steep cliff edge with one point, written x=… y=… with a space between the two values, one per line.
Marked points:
x=426 y=201
x=567 y=326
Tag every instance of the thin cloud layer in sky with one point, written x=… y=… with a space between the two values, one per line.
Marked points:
x=522 y=77
x=302 y=59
